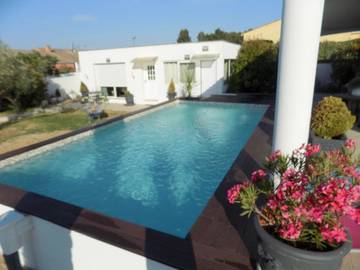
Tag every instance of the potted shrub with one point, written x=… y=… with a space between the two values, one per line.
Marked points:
x=189 y=80
x=299 y=222
x=330 y=120
x=171 y=91
x=84 y=93
x=129 y=97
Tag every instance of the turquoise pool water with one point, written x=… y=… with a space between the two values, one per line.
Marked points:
x=158 y=170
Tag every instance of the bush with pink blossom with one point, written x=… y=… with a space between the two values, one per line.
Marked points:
x=316 y=189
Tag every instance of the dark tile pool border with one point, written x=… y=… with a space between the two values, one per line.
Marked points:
x=220 y=238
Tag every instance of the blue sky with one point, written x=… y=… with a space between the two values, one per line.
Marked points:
x=94 y=24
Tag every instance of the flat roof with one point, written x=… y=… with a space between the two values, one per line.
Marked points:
x=162 y=44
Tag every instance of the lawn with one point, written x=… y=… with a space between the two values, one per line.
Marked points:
x=42 y=127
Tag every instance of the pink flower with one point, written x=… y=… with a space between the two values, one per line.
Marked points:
x=272 y=204
x=274 y=156
x=258 y=175
x=351 y=171
x=291 y=231
x=335 y=234
x=233 y=193
x=311 y=149
x=289 y=174
x=315 y=214
x=350 y=144
x=297 y=195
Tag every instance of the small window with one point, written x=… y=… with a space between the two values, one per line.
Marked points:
x=120 y=91
x=151 y=72
x=187 y=71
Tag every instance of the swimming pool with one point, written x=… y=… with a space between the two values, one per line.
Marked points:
x=158 y=170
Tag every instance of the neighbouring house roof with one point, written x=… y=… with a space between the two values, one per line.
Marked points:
x=64 y=56
x=340 y=23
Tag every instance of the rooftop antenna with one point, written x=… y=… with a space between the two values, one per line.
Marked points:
x=133 y=40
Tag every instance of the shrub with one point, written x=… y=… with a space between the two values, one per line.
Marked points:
x=127 y=93
x=171 y=88
x=316 y=188
x=331 y=118
x=22 y=78
x=255 y=69
x=346 y=62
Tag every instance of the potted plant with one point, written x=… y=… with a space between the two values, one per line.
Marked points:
x=331 y=119
x=189 y=79
x=305 y=194
x=129 y=97
x=171 y=90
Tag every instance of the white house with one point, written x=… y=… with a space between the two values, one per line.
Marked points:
x=146 y=71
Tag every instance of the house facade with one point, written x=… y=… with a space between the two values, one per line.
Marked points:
x=271 y=31
x=146 y=71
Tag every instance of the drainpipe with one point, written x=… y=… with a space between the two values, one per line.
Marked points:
x=298 y=53
x=13 y=227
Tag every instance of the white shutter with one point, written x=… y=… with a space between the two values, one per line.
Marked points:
x=110 y=75
x=171 y=72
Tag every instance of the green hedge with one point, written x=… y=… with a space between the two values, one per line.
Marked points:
x=255 y=68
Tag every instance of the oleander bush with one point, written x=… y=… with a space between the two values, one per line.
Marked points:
x=331 y=118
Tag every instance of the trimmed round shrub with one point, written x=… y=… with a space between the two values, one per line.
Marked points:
x=331 y=118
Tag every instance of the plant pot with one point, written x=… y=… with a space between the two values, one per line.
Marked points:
x=280 y=256
x=129 y=100
x=171 y=96
x=327 y=144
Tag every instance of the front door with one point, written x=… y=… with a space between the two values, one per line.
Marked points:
x=150 y=87
x=208 y=77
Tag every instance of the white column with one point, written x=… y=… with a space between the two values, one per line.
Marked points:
x=299 y=44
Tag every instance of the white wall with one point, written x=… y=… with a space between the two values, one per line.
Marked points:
x=164 y=53
x=49 y=246
x=68 y=84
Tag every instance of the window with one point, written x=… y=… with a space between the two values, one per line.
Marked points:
x=187 y=71
x=107 y=91
x=151 y=72
x=227 y=68
x=171 y=72
x=120 y=91
x=111 y=91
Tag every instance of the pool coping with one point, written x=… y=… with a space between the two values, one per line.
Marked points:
x=199 y=250
x=73 y=133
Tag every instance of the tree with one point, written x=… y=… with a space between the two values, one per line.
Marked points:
x=255 y=69
x=183 y=36
x=235 y=37
x=43 y=64
x=22 y=78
